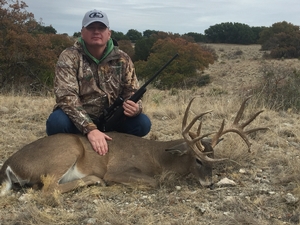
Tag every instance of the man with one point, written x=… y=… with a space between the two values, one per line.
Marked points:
x=89 y=77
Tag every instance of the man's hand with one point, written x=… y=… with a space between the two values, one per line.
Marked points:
x=131 y=108
x=98 y=141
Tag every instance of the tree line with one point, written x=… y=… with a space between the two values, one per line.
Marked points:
x=233 y=33
x=29 y=49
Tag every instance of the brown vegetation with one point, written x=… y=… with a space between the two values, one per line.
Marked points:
x=266 y=187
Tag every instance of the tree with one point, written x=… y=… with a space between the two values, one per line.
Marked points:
x=27 y=56
x=233 y=33
x=48 y=30
x=163 y=35
x=143 y=48
x=134 y=35
x=148 y=33
x=126 y=46
x=77 y=34
x=197 y=37
x=118 y=35
x=276 y=28
x=256 y=31
x=282 y=39
x=184 y=70
x=39 y=28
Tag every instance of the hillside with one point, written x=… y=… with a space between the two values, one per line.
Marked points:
x=266 y=186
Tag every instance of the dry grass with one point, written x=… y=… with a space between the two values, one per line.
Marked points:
x=271 y=170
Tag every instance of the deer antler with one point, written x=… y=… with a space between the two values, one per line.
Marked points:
x=194 y=143
x=238 y=128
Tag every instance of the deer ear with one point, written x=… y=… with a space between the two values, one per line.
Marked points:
x=179 y=150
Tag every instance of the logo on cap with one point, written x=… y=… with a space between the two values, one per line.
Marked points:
x=96 y=15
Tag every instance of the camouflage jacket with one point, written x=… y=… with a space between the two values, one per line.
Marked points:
x=85 y=86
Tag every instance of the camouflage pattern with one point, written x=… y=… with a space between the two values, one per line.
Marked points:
x=83 y=88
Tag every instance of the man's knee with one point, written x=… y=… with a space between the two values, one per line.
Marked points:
x=139 y=125
x=145 y=125
x=59 y=122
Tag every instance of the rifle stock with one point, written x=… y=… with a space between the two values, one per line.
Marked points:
x=113 y=114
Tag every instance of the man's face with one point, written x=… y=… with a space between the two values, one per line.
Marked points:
x=95 y=34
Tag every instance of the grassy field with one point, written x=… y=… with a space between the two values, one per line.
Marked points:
x=267 y=189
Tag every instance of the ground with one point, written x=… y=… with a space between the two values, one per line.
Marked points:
x=266 y=181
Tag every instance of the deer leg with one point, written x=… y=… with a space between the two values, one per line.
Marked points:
x=130 y=177
x=83 y=182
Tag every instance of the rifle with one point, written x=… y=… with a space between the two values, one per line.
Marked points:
x=113 y=114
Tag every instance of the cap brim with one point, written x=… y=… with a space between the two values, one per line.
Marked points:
x=94 y=22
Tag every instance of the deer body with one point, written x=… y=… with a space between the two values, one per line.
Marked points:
x=70 y=160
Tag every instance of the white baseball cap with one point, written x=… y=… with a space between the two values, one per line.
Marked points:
x=95 y=16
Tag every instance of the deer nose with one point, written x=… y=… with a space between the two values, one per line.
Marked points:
x=206 y=182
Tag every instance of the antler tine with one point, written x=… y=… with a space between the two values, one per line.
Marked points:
x=216 y=137
x=199 y=128
x=189 y=126
x=203 y=157
x=186 y=114
x=196 y=137
x=251 y=119
x=256 y=129
x=184 y=121
x=239 y=128
x=235 y=123
x=241 y=111
x=198 y=148
x=195 y=142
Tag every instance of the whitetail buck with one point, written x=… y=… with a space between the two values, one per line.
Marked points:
x=71 y=162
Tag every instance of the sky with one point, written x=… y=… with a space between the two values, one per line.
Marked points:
x=175 y=16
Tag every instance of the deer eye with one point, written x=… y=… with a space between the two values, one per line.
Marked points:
x=199 y=162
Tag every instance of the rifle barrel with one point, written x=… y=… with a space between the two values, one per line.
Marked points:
x=115 y=112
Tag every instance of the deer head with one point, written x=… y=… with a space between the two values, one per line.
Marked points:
x=203 y=150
